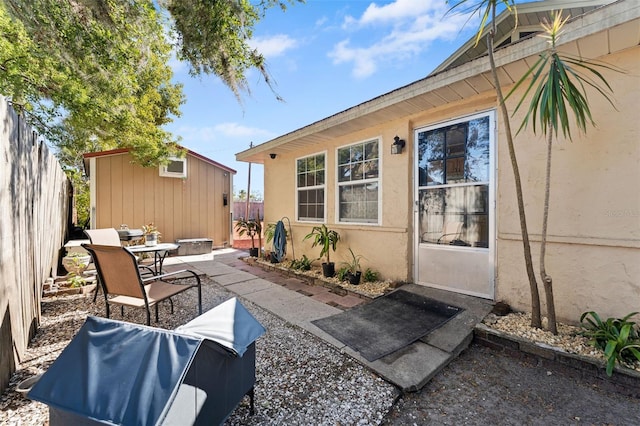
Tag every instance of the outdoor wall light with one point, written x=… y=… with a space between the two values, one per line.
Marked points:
x=273 y=155
x=397 y=146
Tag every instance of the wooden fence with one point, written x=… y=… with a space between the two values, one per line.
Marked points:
x=34 y=208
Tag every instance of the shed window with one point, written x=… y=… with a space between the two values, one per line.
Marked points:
x=310 y=183
x=358 y=182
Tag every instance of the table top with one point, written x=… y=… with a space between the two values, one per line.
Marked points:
x=157 y=247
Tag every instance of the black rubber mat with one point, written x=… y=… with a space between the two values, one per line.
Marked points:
x=387 y=324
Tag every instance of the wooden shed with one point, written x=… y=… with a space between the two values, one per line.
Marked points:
x=190 y=198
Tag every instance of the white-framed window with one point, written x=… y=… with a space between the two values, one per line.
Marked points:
x=176 y=168
x=310 y=188
x=359 y=182
x=454 y=177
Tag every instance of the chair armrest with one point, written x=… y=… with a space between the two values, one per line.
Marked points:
x=169 y=274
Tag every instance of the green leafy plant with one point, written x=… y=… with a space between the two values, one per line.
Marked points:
x=342 y=273
x=619 y=338
x=150 y=232
x=353 y=264
x=270 y=231
x=370 y=275
x=76 y=281
x=324 y=237
x=251 y=228
x=149 y=229
x=303 y=264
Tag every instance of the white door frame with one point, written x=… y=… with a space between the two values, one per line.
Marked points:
x=444 y=259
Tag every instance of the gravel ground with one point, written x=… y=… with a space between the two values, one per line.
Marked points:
x=301 y=380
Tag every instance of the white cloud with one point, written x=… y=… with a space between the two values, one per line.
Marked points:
x=407 y=28
x=273 y=46
x=320 y=22
x=400 y=9
x=221 y=132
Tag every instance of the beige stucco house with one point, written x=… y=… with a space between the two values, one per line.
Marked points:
x=189 y=198
x=442 y=211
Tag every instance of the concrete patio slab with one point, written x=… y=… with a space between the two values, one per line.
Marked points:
x=255 y=285
x=232 y=278
x=409 y=368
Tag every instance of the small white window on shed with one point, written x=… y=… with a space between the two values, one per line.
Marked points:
x=177 y=168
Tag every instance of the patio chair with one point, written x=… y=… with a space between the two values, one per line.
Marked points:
x=110 y=237
x=103 y=236
x=122 y=284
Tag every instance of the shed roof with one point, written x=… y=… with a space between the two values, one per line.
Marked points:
x=118 y=151
x=594 y=34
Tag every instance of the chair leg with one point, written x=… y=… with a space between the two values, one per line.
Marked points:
x=199 y=296
x=95 y=293
x=149 y=315
x=251 y=394
x=171 y=303
x=106 y=302
x=156 y=305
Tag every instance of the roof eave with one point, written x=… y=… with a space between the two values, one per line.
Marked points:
x=513 y=56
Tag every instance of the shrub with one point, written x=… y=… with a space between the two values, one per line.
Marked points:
x=76 y=281
x=370 y=275
x=617 y=337
x=342 y=273
x=303 y=264
x=353 y=265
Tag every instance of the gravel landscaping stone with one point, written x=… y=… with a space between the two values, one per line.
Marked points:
x=299 y=378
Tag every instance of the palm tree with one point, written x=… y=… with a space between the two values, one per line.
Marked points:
x=558 y=83
x=487 y=9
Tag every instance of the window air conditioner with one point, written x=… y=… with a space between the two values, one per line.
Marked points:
x=177 y=168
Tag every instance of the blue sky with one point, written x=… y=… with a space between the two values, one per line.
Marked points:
x=325 y=56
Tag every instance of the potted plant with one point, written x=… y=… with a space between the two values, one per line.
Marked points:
x=151 y=234
x=327 y=239
x=251 y=228
x=76 y=262
x=354 y=272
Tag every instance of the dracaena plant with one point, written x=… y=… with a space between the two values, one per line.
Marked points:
x=324 y=237
x=558 y=86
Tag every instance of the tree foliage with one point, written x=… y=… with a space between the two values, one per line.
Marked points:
x=212 y=37
x=92 y=76
x=95 y=74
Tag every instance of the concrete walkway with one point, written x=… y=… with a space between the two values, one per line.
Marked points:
x=298 y=303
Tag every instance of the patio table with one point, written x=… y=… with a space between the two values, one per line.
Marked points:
x=160 y=252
